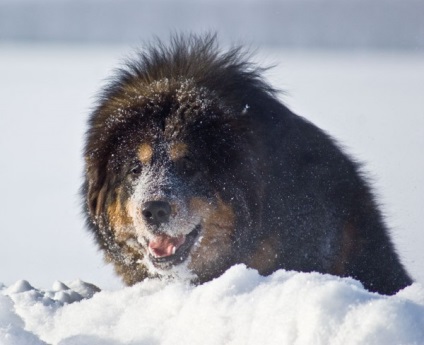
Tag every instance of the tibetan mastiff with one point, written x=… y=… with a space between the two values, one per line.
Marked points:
x=194 y=165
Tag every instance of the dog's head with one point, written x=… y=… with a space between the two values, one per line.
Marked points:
x=169 y=178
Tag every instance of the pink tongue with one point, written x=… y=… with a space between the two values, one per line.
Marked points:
x=163 y=245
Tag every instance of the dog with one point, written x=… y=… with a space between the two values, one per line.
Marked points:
x=193 y=165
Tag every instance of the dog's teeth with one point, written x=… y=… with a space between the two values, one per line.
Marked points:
x=174 y=249
x=152 y=252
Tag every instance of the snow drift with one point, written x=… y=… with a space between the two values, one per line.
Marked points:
x=240 y=307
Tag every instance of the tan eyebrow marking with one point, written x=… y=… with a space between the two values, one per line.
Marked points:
x=145 y=153
x=178 y=150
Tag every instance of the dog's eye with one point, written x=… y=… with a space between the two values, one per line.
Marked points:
x=135 y=170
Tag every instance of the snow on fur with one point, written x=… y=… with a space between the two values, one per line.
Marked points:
x=240 y=307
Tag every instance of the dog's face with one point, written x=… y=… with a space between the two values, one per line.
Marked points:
x=162 y=195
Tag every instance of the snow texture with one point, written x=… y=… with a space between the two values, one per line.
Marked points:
x=240 y=307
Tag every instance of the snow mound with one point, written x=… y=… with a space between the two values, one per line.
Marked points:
x=240 y=307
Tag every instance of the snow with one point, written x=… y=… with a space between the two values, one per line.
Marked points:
x=371 y=102
x=240 y=307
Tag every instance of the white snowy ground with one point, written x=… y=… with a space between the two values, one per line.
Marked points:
x=372 y=103
x=240 y=307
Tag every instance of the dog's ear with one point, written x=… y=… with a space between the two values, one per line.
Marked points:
x=95 y=188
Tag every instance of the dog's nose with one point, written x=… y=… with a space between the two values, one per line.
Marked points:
x=156 y=212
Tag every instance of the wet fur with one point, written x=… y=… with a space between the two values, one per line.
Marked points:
x=270 y=189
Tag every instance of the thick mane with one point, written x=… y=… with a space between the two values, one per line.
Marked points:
x=196 y=58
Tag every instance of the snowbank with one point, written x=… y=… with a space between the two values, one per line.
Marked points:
x=240 y=307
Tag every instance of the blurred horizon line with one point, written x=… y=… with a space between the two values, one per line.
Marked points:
x=358 y=24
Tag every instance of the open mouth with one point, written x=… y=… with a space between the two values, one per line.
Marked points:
x=166 y=251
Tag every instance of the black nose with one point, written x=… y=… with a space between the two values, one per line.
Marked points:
x=156 y=212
